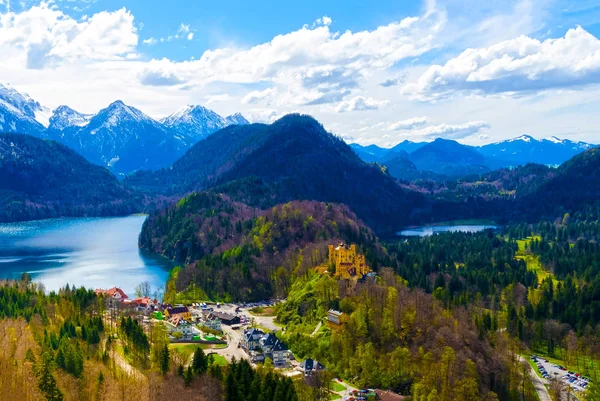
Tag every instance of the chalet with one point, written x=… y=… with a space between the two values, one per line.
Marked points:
x=115 y=293
x=144 y=303
x=310 y=366
x=179 y=324
x=334 y=316
x=227 y=319
x=182 y=311
x=211 y=321
x=251 y=339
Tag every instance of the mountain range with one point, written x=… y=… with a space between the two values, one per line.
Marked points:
x=119 y=137
x=294 y=158
x=442 y=158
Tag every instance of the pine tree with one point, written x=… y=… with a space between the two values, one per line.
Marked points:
x=164 y=360
x=199 y=362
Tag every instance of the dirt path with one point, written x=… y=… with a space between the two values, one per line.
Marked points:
x=316 y=330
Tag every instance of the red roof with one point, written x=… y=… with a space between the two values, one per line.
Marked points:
x=145 y=301
x=111 y=292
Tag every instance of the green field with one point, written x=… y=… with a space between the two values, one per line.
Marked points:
x=532 y=261
x=337 y=386
x=220 y=360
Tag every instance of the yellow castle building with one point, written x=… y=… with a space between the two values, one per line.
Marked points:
x=348 y=263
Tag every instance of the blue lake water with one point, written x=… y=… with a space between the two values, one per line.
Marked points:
x=90 y=252
x=430 y=230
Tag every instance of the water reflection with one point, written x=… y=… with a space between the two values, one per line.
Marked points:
x=430 y=230
x=93 y=252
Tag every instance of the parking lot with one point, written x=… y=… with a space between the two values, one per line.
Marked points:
x=549 y=371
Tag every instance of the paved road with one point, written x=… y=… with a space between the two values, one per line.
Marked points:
x=538 y=382
x=232 y=350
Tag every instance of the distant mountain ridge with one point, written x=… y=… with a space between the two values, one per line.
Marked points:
x=442 y=159
x=119 y=136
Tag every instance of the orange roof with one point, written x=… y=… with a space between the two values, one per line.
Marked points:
x=142 y=301
x=111 y=292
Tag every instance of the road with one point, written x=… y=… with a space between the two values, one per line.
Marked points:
x=232 y=349
x=538 y=382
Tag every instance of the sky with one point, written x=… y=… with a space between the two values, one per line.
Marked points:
x=376 y=72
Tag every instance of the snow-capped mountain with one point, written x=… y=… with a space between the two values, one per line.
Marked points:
x=125 y=139
x=18 y=112
x=236 y=119
x=526 y=149
x=65 y=117
x=26 y=105
x=195 y=122
x=120 y=137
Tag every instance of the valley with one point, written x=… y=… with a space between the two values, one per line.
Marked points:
x=251 y=213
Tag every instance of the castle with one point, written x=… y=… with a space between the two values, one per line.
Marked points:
x=348 y=263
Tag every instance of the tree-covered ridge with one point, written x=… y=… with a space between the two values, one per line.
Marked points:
x=296 y=159
x=233 y=251
x=43 y=179
x=396 y=338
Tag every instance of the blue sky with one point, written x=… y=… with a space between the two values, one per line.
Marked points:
x=372 y=72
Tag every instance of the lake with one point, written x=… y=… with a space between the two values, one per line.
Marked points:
x=430 y=230
x=90 y=252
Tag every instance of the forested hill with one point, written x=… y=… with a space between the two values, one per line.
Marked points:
x=41 y=179
x=236 y=252
x=525 y=194
x=291 y=159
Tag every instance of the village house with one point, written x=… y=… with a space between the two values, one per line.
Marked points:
x=273 y=348
x=348 y=263
x=251 y=339
x=310 y=366
x=114 y=293
x=181 y=311
x=179 y=324
x=227 y=319
x=211 y=321
x=144 y=303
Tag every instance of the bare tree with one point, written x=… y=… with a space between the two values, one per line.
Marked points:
x=143 y=289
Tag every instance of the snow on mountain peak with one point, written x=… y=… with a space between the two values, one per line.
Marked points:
x=25 y=104
x=554 y=139
x=524 y=138
x=237 y=119
x=64 y=116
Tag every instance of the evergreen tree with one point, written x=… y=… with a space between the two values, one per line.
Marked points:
x=164 y=360
x=199 y=362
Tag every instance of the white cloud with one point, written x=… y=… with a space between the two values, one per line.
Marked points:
x=515 y=66
x=451 y=131
x=258 y=96
x=313 y=66
x=360 y=103
x=44 y=35
x=190 y=36
x=183 y=28
x=150 y=41
x=217 y=98
x=326 y=21
x=160 y=73
x=407 y=124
